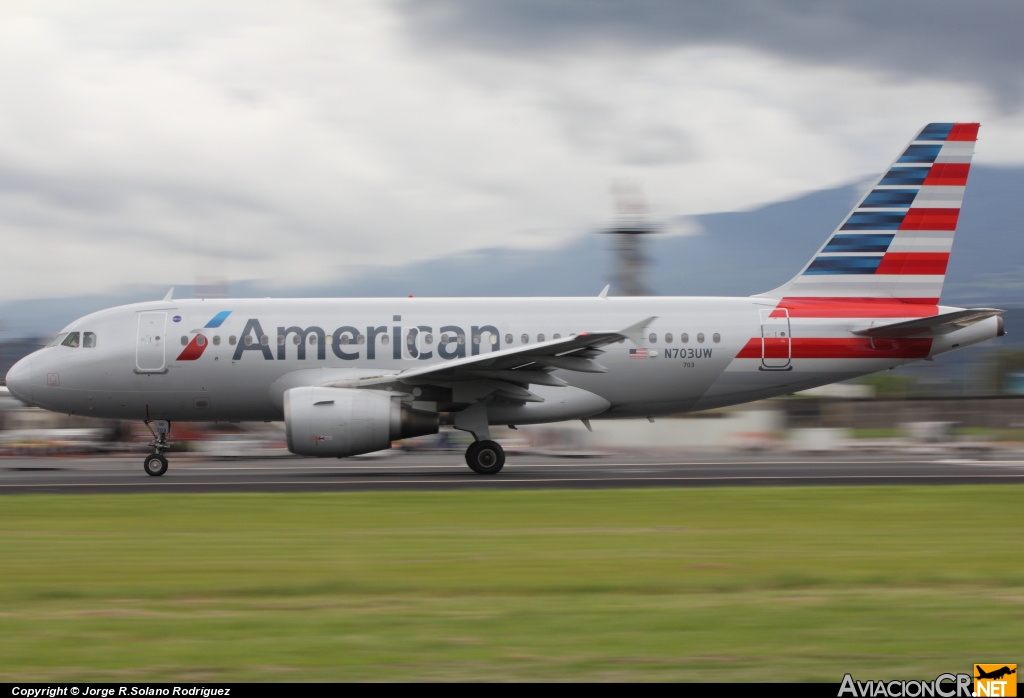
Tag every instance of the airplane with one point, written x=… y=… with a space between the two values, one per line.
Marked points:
x=995 y=673
x=349 y=376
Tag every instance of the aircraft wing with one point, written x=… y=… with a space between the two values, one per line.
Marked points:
x=931 y=326
x=508 y=373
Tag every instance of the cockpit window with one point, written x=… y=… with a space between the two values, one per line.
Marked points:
x=56 y=342
x=88 y=340
x=72 y=339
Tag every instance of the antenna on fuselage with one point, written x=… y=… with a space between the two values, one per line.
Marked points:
x=170 y=294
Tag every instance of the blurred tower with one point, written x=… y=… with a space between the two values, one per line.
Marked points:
x=630 y=224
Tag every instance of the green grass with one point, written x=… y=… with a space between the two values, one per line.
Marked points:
x=696 y=584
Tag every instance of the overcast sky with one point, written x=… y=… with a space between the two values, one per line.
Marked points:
x=158 y=142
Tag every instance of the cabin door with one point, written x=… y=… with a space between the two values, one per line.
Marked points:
x=152 y=341
x=776 y=342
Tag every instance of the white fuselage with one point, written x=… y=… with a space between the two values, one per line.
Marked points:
x=231 y=360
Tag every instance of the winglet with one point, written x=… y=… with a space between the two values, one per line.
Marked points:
x=635 y=333
x=604 y=291
x=170 y=294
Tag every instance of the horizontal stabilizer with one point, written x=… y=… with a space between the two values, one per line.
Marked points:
x=934 y=326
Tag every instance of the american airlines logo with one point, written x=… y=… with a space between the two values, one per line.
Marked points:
x=197 y=345
x=348 y=342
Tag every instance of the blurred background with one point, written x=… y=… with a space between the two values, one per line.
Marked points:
x=486 y=148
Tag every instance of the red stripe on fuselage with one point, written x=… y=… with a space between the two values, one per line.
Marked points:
x=922 y=263
x=846 y=348
x=840 y=307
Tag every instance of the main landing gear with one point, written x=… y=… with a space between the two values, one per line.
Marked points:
x=485 y=457
x=156 y=463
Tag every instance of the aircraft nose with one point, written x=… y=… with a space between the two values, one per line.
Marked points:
x=19 y=380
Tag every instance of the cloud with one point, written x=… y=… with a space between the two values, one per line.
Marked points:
x=970 y=42
x=296 y=144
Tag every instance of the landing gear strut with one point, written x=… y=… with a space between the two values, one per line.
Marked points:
x=156 y=463
x=485 y=457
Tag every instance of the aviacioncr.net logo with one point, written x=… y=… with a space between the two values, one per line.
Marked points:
x=943 y=686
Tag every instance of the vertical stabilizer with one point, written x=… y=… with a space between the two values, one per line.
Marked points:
x=896 y=242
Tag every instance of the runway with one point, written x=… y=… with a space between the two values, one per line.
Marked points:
x=447 y=471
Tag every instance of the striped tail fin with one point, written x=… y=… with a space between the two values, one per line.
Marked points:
x=896 y=243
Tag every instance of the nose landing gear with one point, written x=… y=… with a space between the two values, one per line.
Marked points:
x=156 y=463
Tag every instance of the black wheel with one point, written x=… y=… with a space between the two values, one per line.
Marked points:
x=155 y=465
x=485 y=457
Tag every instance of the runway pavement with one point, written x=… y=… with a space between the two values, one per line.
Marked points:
x=447 y=471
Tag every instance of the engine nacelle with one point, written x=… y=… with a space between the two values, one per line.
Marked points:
x=347 y=422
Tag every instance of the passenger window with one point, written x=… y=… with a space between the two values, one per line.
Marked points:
x=508 y=339
x=184 y=340
x=428 y=338
x=556 y=336
x=89 y=340
x=295 y=339
x=716 y=338
x=462 y=339
x=360 y=339
x=525 y=339
x=232 y=340
x=652 y=338
x=265 y=340
x=216 y=340
x=312 y=339
x=200 y=340
x=540 y=338
x=71 y=340
x=248 y=340
x=385 y=339
x=684 y=338
x=668 y=338
x=700 y=337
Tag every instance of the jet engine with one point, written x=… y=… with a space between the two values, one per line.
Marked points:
x=347 y=422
